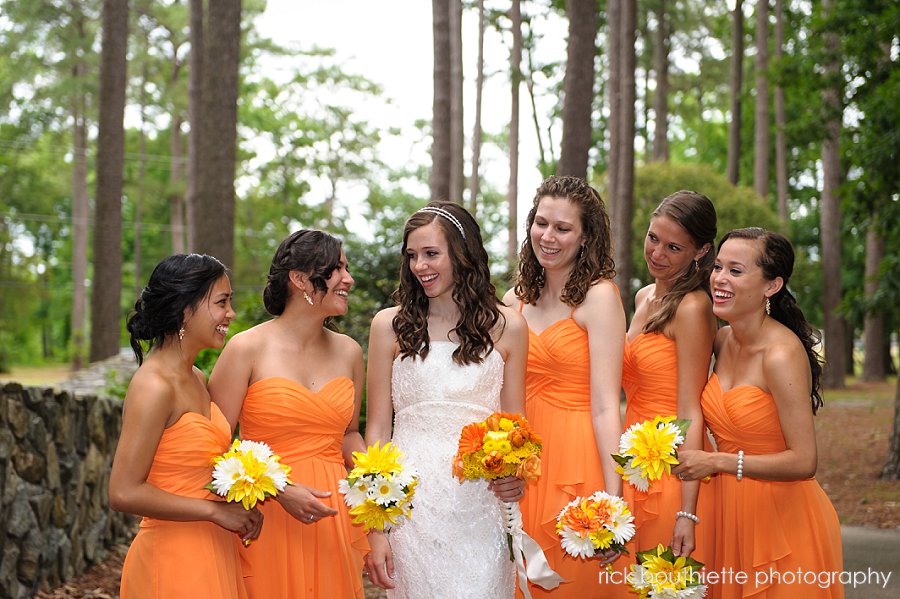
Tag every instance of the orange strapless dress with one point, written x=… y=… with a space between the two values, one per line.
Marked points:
x=185 y=559
x=291 y=559
x=779 y=534
x=557 y=405
x=650 y=380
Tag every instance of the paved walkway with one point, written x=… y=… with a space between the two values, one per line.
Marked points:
x=870 y=554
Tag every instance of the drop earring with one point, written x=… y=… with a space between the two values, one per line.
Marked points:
x=768 y=307
x=181 y=334
x=308 y=299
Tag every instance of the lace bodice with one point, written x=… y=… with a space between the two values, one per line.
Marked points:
x=454 y=545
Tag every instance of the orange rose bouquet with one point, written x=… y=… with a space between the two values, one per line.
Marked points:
x=503 y=445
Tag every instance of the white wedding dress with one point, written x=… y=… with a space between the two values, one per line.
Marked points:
x=454 y=545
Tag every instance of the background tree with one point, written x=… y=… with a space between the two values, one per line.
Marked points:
x=441 y=121
x=781 y=173
x=106 y=289
x=515 y=75
x=474 y=179
x=579 y=88
x=737 y=79
x=661 y=93
x=761 y=120
x=457 y=134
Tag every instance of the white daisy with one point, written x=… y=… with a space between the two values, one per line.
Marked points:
x=226 y=473
x=576 y=545
x=385 y=491
x=355 y=495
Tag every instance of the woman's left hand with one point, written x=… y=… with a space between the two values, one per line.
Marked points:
x=694 y=464
x=509 y=489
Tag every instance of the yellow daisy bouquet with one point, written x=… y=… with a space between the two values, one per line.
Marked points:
x=647 y=450
x=247 y=473
x=379 y=489
x=501 y=445
x=589 y=525
x=659 y=574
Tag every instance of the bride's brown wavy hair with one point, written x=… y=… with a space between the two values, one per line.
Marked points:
x=473 y=292
x=594 y=262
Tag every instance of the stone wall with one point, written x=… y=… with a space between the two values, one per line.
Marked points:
x=56 y=449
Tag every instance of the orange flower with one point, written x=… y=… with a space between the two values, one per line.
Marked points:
x=517 y=437
x=493 y=422
x=529 y=468
x=471 y=438
x=493 y=462
x=459 y=467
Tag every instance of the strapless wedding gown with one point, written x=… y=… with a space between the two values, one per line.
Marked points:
x=454 y=546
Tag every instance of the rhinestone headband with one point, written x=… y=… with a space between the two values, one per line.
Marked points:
x=446 y=214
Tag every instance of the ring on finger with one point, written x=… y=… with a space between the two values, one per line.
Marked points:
x=310 y=517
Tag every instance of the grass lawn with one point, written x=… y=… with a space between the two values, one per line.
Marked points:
x=37 y=375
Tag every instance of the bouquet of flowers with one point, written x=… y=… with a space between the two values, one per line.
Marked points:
x=502 y=445
x=379 y=490
x=659 y=573
x=587 y=526
x=647 y=450
x=247 y=473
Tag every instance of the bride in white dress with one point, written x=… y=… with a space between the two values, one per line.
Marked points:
x=449 y=354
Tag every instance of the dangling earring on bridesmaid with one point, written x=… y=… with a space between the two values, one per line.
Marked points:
x=768 y=307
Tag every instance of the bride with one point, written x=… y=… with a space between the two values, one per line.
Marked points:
x=449 y=354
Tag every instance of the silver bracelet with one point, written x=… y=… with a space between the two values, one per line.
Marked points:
x=688 y=515
x=740 y=466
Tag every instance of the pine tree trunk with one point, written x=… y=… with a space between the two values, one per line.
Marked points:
x=176 y=176
x=761 y=119
x=891 y=469
x=457 y=135
x=195 y=110
x=623 y=209
x=441 y=121
x=512 y=194
x=217 y=148
x=80 y=216
x=106 y=287
x=474 y=180
x=661 y=95
x=781 y=176
x=578 y=92
x=835 y=366
x=874 y=323
x=614 y=44
x=737 y=83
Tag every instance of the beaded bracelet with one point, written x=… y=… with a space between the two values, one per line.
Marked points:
x=740 y=466
x=688 y=515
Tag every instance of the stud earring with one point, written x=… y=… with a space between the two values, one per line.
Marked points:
x=181 y=334
x=768 y=306
x=308 y=299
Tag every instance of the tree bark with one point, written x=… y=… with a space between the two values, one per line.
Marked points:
x=515 y=72
x=614 y=43
x=874 y=323
x=830 y=215
x=106 y=289
x=80 y=214
x=474 y=180
x=176 y=177
x=217 y=148
x=891 y=469
x=578 y=91
x=737 y=83
x=661 y=94
x=457 y=135
x=761 y=120
x=623 y=208
x=781 y=176
x=195 y=109
x=441 y=119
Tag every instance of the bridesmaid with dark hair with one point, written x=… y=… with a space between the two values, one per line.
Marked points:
x=778 y=526
x=296 y=385
x=667 y=358
x=170 y=435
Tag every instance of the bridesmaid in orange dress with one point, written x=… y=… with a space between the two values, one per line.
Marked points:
x=296 y=385
x=576 y=339
x=779 y=534
x=667 y=357
x=170 y=435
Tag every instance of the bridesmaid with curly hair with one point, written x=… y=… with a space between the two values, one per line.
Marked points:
x=778 y=527
x=576 y=325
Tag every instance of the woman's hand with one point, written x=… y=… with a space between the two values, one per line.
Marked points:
x=379 y=562
x=303 y=503
x=608 y=556
x=683 y=542
x=233 y=517
x=694 y=464
x=508 y=489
